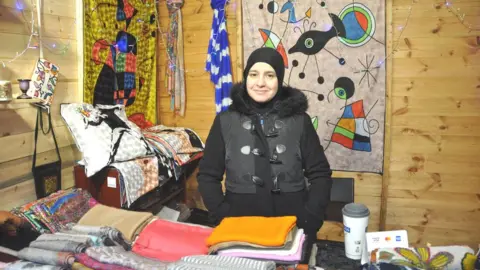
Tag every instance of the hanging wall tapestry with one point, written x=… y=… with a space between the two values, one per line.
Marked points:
x=119 y=51
x=335 y=52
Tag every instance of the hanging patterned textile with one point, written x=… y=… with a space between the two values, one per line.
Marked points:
x=218 y=59
x=175 y=76
x=120 y=38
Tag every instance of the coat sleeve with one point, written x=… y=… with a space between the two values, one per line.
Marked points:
x=211 y=170
x=316 y=170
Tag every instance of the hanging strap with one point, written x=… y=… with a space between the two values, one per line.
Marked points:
x=39 y=18
x=39 y=117
x=49 y=124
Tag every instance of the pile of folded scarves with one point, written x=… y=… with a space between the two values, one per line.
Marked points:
x=264 y=238
x=107 y=238
x=182 y=246
x=101 y=239
x=52 y=213
x=161 y=245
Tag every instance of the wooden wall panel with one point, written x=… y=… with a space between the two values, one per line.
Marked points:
x=18 y=170
x=432 y=180
x=17 y=117
x=434 y=177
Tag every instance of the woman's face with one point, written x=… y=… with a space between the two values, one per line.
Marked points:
x=262 y=82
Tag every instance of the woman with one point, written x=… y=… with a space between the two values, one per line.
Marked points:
x=267 y=145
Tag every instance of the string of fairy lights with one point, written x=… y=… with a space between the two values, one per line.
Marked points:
x=34 y=41
x=461 y=16
x=59 y=48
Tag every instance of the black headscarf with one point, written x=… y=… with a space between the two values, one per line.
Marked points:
x=275 y=60
x=269 y=56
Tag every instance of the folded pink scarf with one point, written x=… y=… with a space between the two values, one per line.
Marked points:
x=169 y=241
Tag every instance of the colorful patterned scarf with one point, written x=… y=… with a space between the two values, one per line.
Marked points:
x=174 y=146
x=94 y=264
x=54 y=212
x=175 y=76
x=118 y=256
x=103 y=232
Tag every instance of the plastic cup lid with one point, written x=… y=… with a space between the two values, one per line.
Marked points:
x=356 y=210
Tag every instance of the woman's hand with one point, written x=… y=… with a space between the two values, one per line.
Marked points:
x=6 y=217
x=309 y=222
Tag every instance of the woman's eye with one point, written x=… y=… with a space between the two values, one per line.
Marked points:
x=253 y=75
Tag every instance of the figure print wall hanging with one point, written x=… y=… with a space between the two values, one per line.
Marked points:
x=116 y=83
x=120 y=62
x=335 y=52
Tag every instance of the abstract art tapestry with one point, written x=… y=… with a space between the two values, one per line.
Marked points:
x=120 y=67
x=335 y=52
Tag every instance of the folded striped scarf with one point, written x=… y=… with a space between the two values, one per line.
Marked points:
x=62 y=245
x=214 y=262
x=84 y=239
x=49 y=257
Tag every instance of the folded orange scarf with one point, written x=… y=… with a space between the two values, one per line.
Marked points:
x=264 y=231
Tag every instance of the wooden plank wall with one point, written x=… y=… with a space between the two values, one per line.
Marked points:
x=200 y=104
x=17 y=118
x=432 y=182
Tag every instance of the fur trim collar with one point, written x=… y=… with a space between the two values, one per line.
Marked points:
x=292 y=101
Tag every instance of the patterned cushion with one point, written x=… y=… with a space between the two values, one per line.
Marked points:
x=104 y=135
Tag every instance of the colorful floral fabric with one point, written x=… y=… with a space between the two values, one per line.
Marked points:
x=429 y=258
x=54 y=212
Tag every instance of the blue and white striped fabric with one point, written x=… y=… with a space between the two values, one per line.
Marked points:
x=218 y=59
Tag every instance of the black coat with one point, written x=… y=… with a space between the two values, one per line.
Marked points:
x=308 y=205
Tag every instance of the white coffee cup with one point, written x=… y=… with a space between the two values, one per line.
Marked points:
x=355 y=223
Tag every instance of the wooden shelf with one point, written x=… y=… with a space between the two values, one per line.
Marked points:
x=15 y=103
